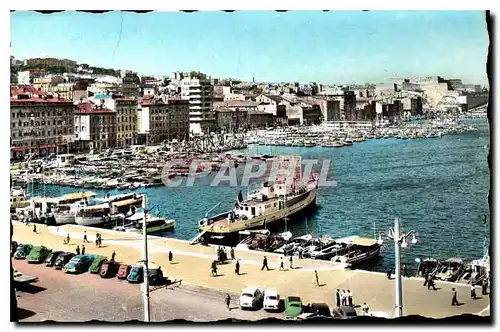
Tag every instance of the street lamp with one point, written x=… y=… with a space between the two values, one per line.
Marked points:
x=400 y=241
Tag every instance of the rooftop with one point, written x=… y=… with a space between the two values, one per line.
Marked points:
x=90 y=108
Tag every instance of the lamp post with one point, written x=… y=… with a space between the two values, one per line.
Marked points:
x=400 y=241
x=145 y=261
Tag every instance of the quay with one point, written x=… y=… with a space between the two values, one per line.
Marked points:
x=191 y=264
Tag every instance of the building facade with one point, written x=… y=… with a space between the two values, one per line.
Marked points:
x=178 y=117
x=130 y=85
x=199 y=91
x=39 y=124
x=126 y=119
x=95 y=127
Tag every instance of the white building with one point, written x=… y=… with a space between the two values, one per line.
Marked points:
x=23 y=77
x=199 y=91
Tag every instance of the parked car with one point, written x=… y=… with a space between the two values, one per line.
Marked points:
x=78 y=264
x=314 y=310
x=95 y=267
x=293 y=307
x=123 y=271
x=63 y=259
x=344 y=312
x=155 y=276
x=271 y=300
x=136 y=274
x=13 y=248
x=22 y=251
x=38 y=254
x=109 y=269
x=251 y=298
x=51 y=258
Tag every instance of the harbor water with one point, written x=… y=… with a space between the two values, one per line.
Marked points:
x=438 y=187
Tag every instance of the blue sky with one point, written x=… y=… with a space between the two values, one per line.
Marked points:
x=326 y=47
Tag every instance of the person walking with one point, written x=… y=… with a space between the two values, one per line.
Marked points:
x=34 y=228
x=405 y=272
x=454 y=300
x=291 y=262
x=237 y=267
x=349 y=298
x=317 y=278
x=337 y=297
x=67 y=239
x=364 y=309
x=473 y=292
x=282 y=266
x=170 y=256
x=113 y=255
x=264 y=264
x=77 y=250
x=83 y=249
x=232 y=254
x=228 y=302
x=97 y=239
x=214 y=269
x=484 y=286
x=389 y=273
x=431 y=283
x=426 y=276
x=85 y=240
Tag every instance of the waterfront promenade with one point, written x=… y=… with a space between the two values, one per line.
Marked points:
x=191 y=264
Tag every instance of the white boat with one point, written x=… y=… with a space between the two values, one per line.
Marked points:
x=96 y=215
x=357 y=250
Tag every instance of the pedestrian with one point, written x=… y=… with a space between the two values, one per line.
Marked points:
x=232 y=254
x=343 y=298
x=170 y=256
x=83 y=249
x=214 y=268
x=67 y=239
x=300 y=253
x=100 y=240
x=389 y=273
x=349 y=298
x=484 y=286
x=431 y=283
x=473 y=292
x=405 y=273
x=426 y=276
x=77 y=250
x=85 y=237
x=291 y=262
x=237 y=268
x=264 y=264
x=282 y=266
x=113 y=255
x=364 y=309
x=228 y=302
x=337 y=297
x=317 y=278
x=97 y=239
x=454 y=300
x=34 y=228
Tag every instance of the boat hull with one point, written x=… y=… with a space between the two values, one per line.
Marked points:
x=273 y=222
x=63 y=219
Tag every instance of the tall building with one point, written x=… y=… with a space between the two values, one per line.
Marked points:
x=126 y=119
x=349 y=105
x=39 y=123
x=198 y=89
x=416 y=106
x=131 y=85
x=95 y=127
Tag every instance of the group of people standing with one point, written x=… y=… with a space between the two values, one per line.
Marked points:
x=343 y=298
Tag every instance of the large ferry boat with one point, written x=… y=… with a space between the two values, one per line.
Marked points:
x=265 y=208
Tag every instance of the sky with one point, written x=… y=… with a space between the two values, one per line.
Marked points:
x=304 y=46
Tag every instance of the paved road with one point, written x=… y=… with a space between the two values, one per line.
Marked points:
x=75 y=298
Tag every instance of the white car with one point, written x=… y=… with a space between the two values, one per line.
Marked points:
x=271 y=300
x=251 y=297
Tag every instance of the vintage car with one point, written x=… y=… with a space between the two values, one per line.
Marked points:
x=155 y=276
x=123 y=271
x=293 y=307
x=344 y=312
x=95 y=267
x=109 y=269
x=22 y=251
x=315 y=310
x=271 y=300
x=51 y=258
x=251 y=297
x=63 y=259
x=13 y=248
x=78 y=264
x=38 y=254
x=136 y=274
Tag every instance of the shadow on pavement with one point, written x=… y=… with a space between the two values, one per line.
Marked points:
x=24 y=313
x=30 y=288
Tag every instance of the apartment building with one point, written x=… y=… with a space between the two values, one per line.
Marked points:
x=197 y=88
x=126 y=118
x=130 y=85
x=95 y=127
x=179 y=125
x=39 y=123
x=45 y=84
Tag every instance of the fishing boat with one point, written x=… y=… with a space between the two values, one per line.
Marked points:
x=153 y=224
x=96 y=215
x=253 y=239
x=266 y=207
x=292 y=246
x=356 y=250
